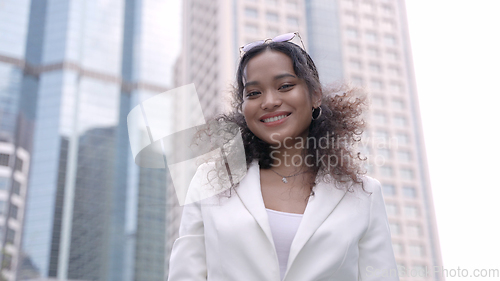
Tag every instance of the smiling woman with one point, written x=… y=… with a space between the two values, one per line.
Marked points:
x=304 y=211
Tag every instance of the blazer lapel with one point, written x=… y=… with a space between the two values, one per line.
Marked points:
x=319 y=207
x=251 y=196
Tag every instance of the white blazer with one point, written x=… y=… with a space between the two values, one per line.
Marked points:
x=343 y=236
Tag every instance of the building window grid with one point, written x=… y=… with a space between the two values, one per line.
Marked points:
x=4 y=159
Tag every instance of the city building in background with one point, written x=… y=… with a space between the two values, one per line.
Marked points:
x=70 y=72
x=16 y=130
x=365 y=42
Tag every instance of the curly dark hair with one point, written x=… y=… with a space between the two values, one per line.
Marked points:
x=341 y=120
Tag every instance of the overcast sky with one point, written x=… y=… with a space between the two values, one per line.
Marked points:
x=456 y=49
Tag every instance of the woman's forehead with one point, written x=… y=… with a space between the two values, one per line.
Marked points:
x=266 y=63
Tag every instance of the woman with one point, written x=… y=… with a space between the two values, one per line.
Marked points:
x=303 y=211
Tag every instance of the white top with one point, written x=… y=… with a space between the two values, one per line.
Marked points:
x=283 y=227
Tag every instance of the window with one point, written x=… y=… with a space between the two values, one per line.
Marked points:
x=352 y=33
x=388 y=189
x=402 y=138
x=392 y=209
x=4 y=159
x=414 y=231
x=371 y=36
x=376 y=84
x=383 y=152
x=394 y=70
x=357 y=81
x=387 y=9
x=411 y=211
x=293 y=21
x=4 y=183
x=378 y=101
x=354 y=48
x=380 y=118
x=273 y=17
x=13 y=211
x=292 y=5
x=400 y=121
x=404 y=156
x=416 y=250
x=375 y=67
x=373 y=52
x=395 y=229
x=407 y=174
x=419 y=271
x=2 y=208
x=251 y=13
x=390 y=40
x=395 y=87
x=381 y=135
x=272 y=32
x=398 y=248
x=409 y=192
x=355 y=64
x=392 y=55
x=7 y=261
x=388 y=24
x=398 y=104
x=386 y=171
x=11 y=236
x=272 y=2
x=351 y=17
x=368 y=6
x=369 y=20
x=16 y=189
x=349 y=3
x=251 y=29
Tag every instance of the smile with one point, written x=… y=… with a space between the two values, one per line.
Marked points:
x=275 y=118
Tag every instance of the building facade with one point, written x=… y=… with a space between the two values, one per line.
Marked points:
x=363 y=42
x=70 y=72
x=16 y=129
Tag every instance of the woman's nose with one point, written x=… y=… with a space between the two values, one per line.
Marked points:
x=271 y=100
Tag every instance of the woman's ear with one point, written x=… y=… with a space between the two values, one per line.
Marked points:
x=317 y=99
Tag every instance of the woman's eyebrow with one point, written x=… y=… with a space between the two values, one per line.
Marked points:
x=277 y=77
x=283 y=76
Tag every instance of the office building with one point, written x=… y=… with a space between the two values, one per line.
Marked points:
x=70 y=72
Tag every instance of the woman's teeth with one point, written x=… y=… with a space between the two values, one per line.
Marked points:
x=272 y=119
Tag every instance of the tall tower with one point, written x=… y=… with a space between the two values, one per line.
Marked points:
x=367 y=42
x=362 y=41
x=91 y=212
x=16 y=129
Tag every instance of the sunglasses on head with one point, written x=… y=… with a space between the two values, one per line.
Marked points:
x=280 y=38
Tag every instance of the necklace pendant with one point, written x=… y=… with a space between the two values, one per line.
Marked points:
x=284 y=180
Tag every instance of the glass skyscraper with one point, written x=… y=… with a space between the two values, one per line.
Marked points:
x=70 y=72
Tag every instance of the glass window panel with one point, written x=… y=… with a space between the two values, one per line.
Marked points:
x=409 y=192
x=411 y=211
x=407 y=174
x=392 y=209
x=388 y=189
x=251 y=13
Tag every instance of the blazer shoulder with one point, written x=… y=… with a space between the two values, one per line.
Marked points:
x=371 y=184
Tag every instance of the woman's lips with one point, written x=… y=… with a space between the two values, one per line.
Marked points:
x=275 y=120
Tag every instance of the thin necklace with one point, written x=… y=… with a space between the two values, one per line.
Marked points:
x=283 y=178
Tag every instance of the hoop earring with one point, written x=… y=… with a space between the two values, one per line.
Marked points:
x=319 y=114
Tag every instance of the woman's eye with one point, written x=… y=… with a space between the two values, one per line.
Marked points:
x=252 y=94
x=286 y=86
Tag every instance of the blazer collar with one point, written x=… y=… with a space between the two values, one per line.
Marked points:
x=318 y=208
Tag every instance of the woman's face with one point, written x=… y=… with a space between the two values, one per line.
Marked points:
x=276 y=103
